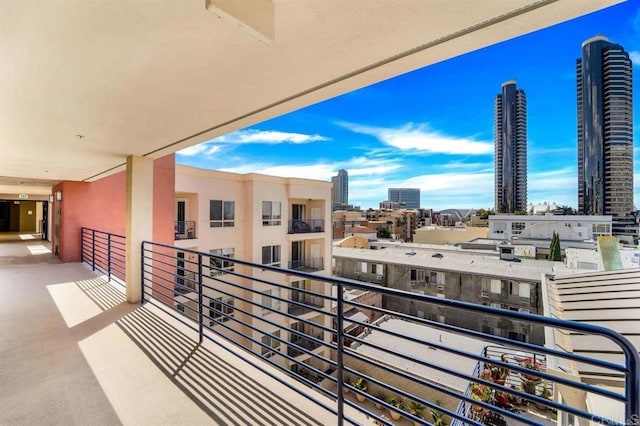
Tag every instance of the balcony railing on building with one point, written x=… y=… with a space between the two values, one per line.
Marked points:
x=301 y=226
x=185 y=230
x=415 y=375
x=302 y=303
x=308 y=264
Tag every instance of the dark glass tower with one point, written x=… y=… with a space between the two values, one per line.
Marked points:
x=511 y=149
x=605 y=129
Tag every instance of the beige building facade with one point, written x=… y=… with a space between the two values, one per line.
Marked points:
x=267 y=220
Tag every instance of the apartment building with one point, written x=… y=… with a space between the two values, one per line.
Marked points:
x=270 y=220
x=535 y=227
x=451 y=273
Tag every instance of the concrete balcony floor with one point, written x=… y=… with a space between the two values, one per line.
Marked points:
x=73 y=351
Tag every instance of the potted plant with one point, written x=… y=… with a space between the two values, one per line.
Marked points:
x=417 y=410
x=438 y=418
x=546 y=394
x=347 y=381
x=532 y=365
x=361 y=385
x=400 y=405
x=381 y=397
x=480 y=392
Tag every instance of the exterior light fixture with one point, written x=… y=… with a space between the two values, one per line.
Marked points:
x=59 y=195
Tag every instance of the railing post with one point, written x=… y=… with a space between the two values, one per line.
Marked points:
x=142 y=273
x=340 y=351
x=82 y=244
x=108 y=257
x=200 y=308
x=93 y=249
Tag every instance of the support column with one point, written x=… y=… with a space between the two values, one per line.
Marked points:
x=139 y=222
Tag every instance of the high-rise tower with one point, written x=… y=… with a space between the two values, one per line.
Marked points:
x=340 y=190
x=605 y=129
x=510 y=149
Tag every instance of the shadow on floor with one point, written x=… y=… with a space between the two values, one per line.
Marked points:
x=229 y=395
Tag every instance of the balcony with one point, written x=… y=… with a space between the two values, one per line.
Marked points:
x=118 y=351
x=308 y=264
x=304 y=226
x=302 y=303
x=185 y=230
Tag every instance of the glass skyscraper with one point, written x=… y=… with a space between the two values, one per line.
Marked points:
x=605 y=129
x=510 y=149
x=410 y=197
x=340 y=190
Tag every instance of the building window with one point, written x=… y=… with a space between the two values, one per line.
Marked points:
x=272 y=344
x=221 y=213
x=271 y=213
x=221 y=266
x=524 y=290
x=377 y=268
x=417 y=275
x=271 y=255
x=518 y=337
x=517 y=227
x=436 y=278
x=496 y=286
x=362 y=267
x=269 y=301
x=220 y=309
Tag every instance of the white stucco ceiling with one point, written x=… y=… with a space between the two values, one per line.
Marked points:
x=149 y=77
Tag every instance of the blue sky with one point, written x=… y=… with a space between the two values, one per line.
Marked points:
x=433 y=128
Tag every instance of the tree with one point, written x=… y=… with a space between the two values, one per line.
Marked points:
x=566 y=210
x=383 y=233
x=554 y=248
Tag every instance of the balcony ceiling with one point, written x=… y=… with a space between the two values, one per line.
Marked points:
x=84 y=84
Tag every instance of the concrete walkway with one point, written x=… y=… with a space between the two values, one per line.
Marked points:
x=24 y=249
x=73 y=352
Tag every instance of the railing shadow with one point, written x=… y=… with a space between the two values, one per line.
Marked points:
x=226 y=393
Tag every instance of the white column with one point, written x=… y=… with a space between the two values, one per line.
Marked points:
x=139 y=226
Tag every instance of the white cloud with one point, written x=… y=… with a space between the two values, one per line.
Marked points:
x=358 y=166
x=635 y=58
x=268 y=137
x=412 y=137
x=205 y=149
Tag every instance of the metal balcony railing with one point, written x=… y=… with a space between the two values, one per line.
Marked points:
x=307 y=264
x=301 y=226
x=185 y=230
x=306 y=301
x=400 y=364
x=105 y=252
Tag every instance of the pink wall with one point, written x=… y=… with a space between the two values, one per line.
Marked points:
x=102 y=205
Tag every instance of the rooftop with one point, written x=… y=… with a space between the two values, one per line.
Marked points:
x=457 y=261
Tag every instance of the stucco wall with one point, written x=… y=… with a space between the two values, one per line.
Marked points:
x=102 y=205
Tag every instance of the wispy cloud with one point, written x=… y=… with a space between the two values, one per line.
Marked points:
x=267 y=137
x=421 y=138
x=635 y=58
x=358 y=166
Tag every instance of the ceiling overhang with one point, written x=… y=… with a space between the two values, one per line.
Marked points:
x=83 y=85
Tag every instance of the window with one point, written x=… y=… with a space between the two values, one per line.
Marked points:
x=377 y=268
x=496 y=286
x=513 y=288
x=362 y=267
x=272 y=344
x=269 y=301
x=271 y=255
x=221 y=266
x=517 y=227
x=518 y=337
x=221 y=213
x=271 y=213
x=436 y=278
x=524 y=290
x=220 y=309
x=417 y=275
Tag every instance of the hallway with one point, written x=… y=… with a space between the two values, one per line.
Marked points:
x=18 y=248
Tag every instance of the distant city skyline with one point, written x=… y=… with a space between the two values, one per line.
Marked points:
x=433 y=128
x=340 y=189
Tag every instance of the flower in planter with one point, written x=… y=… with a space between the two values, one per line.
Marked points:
x=530 y=364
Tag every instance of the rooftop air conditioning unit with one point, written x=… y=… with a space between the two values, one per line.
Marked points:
x=357 y=274
x=484 y=294
x=440 y=287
